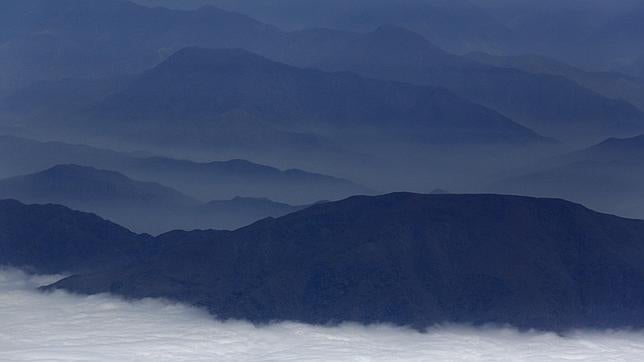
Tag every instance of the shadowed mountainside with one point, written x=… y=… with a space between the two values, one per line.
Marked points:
x=401 y=258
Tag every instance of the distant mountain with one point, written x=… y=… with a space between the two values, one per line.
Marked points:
x=608 y=176
x=204 y=181
x=239 y=212
x=549 y=103
x=544 y=102
x=454 y=24
x=141 y=206
x=595 y=34
x=45 y=40
x=405 y=259
x=614 y=149
x=60 y=98
x=339 y=104
x=612 y=85
x=86 y=184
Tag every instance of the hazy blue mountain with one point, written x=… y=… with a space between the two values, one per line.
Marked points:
x=143 y=206
x=49 y=99
x=48 y=40
x=455 y=24
x=593 y=33
x=612 y=85
x=226 y=179
x=226 y=80
x=86 y=184
x=201 y=180
x=613 y=149
x=238 y=212
x=405 y=259
x=549 y=103
x=608 y=176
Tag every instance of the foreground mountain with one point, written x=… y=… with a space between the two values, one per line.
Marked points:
x=205 y=181
x=608 y=176
x=51 y=239
x=406 y=259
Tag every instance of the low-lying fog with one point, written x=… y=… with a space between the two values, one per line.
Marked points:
x=63 y=327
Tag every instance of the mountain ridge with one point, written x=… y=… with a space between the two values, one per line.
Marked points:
x=406 y=259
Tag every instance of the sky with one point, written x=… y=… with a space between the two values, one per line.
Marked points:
x=63 y=327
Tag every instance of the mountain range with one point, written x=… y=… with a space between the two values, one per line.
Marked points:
x=141 y=206
x=553 y=105
x=300 y=99
x=204 y=181
x=607 y=176
x=594 y=34
x=402 y=258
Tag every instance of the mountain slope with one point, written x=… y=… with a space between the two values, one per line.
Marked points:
x=225 y=80
x=608 y=176
x=201 y=180
x=139 y=38
x=612 y=85
x=52 y=239
x=549 y=103
x=95 y=38
x=405 y=259
x=141 y=206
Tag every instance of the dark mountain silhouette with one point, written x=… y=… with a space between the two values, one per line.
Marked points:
x=406 y=259
x=226 y=80
x=54 y=239
x=201 y=180
x=608 y=176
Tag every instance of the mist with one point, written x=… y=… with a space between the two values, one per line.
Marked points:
x=63 y=327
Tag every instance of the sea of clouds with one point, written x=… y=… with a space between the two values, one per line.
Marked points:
x=59 y=326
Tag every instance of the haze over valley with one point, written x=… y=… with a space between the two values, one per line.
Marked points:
x=322 y=180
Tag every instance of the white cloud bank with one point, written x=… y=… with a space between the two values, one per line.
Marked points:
x=63 y=327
